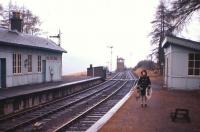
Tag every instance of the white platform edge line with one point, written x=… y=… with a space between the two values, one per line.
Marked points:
x=103 y=120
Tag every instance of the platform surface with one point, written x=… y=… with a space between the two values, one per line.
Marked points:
x=131 y=117
x=26 y=89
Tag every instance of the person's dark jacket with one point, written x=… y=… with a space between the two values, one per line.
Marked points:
x=144 y=82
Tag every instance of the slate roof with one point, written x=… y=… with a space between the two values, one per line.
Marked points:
x=14 y=38
x=172 y=40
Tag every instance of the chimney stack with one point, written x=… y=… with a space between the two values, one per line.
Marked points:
x=91 y=66
x=16 y=21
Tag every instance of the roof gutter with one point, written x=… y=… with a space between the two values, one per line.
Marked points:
x=35 y=47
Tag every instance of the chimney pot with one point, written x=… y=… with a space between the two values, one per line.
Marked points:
x=16 y=21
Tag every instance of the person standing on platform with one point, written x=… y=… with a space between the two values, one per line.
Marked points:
x=143 y=87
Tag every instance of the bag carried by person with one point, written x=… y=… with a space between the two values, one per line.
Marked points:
x=137 y=93
x=148 y=93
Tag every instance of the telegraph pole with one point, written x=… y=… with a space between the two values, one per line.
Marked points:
x=111 y=47
x=58 y=37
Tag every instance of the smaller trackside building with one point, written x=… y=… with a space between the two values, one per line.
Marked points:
x=27 y=59
x=182 y=63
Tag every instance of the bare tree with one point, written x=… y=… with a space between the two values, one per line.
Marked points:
x=1 y=12
x=181 y=12
x=147 y=64
x=169 y=21
x=31 y=22
x=161 y=27
x=4 y=17
x=1 y=9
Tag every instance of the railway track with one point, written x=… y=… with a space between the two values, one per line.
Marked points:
x=72 y=111
x=87 y=118
x=12 y=123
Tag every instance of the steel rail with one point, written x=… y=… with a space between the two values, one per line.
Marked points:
x=62 y=107
x=65 y=125
x=14 y=115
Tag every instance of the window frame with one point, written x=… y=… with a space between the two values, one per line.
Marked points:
x=192 y=66
x=39 y=64
x=17 y=63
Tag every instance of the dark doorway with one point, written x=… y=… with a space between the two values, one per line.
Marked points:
x=44 y=70
x=2 y=73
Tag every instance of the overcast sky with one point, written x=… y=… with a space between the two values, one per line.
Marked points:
x=89 y=26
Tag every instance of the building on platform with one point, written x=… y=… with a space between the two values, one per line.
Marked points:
x=182 y=63
x=120 y=64
x=27 y=59
x=98 y=71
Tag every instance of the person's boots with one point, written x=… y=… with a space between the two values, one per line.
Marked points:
x=145 y=105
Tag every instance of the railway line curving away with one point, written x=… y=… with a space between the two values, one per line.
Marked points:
x=76 y=112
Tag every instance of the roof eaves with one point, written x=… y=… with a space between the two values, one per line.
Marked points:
x=35 y=47
x=180 y=42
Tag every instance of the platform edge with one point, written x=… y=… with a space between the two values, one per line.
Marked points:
x=103 y=120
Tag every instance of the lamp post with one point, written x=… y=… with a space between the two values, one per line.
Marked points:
x=111 y=47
